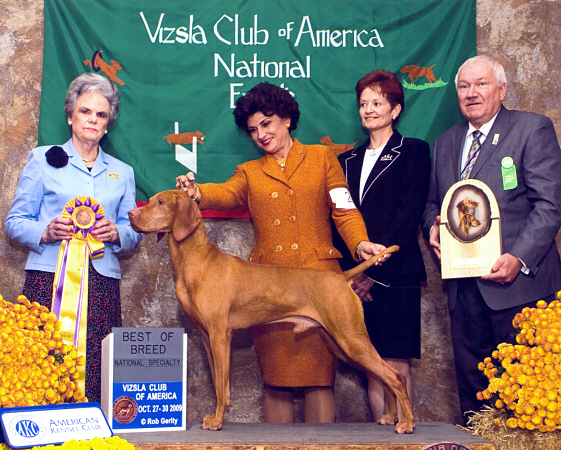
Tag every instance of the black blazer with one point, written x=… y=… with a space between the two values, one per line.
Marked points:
x=392 y=205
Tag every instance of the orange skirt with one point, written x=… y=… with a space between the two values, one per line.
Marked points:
x=287 y=359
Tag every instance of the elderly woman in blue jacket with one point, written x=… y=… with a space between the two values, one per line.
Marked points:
x=53 y=176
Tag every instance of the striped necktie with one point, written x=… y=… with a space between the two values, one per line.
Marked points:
x=472 y=154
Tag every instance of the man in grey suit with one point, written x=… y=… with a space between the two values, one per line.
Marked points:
x=493 y=143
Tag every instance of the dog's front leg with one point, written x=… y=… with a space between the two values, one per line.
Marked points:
x=220 y=349
x=206 y=344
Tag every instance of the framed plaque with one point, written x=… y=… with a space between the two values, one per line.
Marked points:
x=470 y=230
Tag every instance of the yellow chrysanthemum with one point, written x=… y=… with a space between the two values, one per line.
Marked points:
x=30 y=375
x=525 y=379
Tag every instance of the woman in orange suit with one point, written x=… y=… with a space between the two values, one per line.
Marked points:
x=291 y=193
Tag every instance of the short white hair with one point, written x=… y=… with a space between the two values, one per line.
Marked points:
x=495 y=65
x=93 y=82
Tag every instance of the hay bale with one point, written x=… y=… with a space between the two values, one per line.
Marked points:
x=490 y=424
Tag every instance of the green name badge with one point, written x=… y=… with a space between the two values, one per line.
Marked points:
x=508 y=170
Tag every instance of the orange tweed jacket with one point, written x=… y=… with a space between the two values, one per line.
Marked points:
x=290 y=209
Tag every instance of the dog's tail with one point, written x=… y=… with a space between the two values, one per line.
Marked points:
x=351 y=273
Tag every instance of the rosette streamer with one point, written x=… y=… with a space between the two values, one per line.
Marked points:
x=70 y=288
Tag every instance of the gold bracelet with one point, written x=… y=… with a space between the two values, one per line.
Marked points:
x=359 y=250
x=197 y=197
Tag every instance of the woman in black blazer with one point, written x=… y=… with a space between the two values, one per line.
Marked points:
x=388 y=178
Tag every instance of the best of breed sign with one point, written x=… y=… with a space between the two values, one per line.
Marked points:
x=144 y=379
x=181 y=66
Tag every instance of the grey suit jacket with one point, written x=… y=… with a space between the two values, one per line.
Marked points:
x=530 y=213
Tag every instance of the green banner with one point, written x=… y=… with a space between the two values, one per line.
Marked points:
x=180 y=66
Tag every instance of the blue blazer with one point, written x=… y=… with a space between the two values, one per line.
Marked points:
x=43 y=191
x=530 y=213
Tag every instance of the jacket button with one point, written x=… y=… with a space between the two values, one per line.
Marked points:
x=274 y=195
x=279 y=248
x=294 y=246
x=290 y=192
x=276 y=222
x=292 y=219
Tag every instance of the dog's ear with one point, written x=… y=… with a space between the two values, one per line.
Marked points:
x=187 y=217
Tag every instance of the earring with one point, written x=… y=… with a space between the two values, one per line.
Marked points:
x=69 y=122
x=105 y=131
x=393 y=117
x=288 y=125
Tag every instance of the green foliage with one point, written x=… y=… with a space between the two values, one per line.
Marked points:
x=420 y=87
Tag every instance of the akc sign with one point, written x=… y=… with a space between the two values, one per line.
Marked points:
x=53 y=424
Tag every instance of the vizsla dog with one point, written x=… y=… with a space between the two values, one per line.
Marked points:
x=185 y=138
x=416 y=72
x=465 y=215
x=337 y=148
x=220 y=293
x=98 y=63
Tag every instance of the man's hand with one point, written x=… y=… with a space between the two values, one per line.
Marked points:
x=434 y=238
x=505 y=269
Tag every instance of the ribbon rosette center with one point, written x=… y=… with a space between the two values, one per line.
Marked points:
x=84 y=212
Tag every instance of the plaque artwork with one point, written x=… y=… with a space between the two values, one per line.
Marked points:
x=469 y=213
x=470 y=230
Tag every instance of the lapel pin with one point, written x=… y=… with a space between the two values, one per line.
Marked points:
x=496 y=138
x=386 y=158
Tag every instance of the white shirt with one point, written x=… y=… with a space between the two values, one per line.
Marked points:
x=469 y=138
x=370 y=158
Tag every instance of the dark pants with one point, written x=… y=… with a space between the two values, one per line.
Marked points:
x=476 y=332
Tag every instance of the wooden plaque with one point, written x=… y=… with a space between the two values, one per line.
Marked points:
x=470 y=230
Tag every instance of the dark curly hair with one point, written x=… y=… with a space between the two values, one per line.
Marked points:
x=268 y=99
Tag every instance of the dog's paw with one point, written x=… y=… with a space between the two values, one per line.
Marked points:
x=210 y=422
x=206 y=420
x=388 y=419
x=405 y=427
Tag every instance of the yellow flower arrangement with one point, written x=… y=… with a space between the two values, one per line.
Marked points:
x=525 y=379
x=110 y=443
x=37 y=368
